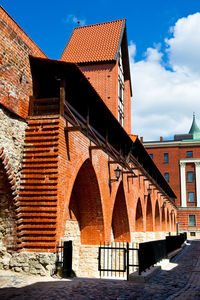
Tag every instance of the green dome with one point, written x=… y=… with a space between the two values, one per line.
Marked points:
x=194 y=129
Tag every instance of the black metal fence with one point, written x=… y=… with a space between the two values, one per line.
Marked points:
x=150 y=253
x=117 y=259
x=175 y=242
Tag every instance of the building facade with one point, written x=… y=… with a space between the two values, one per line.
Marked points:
x=179 y=162
x=65 y=131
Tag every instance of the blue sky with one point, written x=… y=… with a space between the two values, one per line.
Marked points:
x=49 y=23
x=164 y=44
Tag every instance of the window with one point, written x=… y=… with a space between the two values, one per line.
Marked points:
x=189 y=153
x=166 y=176
x=192 y=220
x=166 y=157
x=120 y=90
x=190 y=176
x=192 y=233
x=151 y=155
x=191 y=196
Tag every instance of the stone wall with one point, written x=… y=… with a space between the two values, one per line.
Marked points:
x=72 y=233
x=141 y=237
x=88 y=261
x=85 y=257
x=31 y=263
x=12 y=135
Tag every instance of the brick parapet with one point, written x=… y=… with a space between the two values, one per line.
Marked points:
x=16 y=81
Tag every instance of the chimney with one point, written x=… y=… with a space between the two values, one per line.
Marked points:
x=161 y=139
x=141 y=139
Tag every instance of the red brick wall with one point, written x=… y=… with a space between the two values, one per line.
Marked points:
x=104 y=78
x=173 y=168
x=16 y=82
x=62 y=180
x=183 y=219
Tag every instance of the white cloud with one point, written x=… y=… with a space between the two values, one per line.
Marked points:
x=74 y=19
x=185 y=44
x=164 y=99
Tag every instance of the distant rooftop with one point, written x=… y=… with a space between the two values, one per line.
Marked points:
x=192 y=135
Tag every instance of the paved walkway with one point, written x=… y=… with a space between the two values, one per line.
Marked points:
x=179 y=280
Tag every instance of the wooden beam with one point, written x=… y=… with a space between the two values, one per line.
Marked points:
x=62 y=96
x=95 y=147
x=31 y=106
x=74 y=128
x=114 y=162
x=71 y=114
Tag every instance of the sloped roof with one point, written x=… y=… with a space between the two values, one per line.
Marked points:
x=194 y=129
x=94 y=43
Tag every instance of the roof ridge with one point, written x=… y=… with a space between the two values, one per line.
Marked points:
x=102 y=23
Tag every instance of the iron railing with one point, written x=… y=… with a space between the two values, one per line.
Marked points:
x=117 y=259
x=150 y=253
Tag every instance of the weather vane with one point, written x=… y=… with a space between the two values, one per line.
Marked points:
x=78 y=20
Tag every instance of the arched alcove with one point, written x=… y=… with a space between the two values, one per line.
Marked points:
x=120 y=223
x=163 y=220
x=168 y=221
x=157 y=217
x=149 y=215
x=85 y=205
x=139 y=222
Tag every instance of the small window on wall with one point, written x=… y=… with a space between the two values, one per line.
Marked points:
x=166 y=176
x=191 y=197
x=190 y=176
x=192 y=233
x=151 y=155
x=189 y=154
x=192 y=220
x=166 y=157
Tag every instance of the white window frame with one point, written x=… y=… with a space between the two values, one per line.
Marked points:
x=120 y=90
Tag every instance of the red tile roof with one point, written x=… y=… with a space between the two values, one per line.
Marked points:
x=99 y=42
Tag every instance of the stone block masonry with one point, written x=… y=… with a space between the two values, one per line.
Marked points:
x=12 y=135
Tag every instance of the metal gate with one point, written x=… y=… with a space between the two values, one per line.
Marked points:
x=117 y=259
x=64 y=258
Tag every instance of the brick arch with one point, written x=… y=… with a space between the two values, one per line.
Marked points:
x=149 y=215
x=157 y=217
x=168 y=221
x=163 y=219
x=120 y=222
x=139 y=221
x=85 y=205
x=174 y=222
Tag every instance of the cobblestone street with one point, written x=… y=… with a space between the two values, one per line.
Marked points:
x=180 y=279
